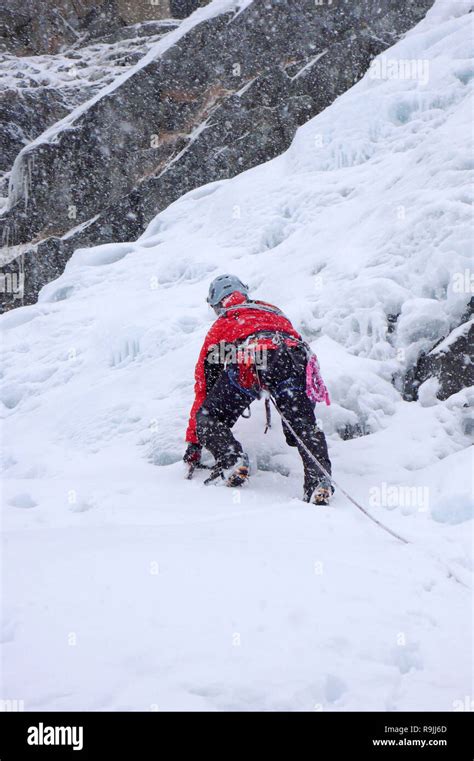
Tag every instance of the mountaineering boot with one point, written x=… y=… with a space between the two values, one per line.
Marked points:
x=319 y=494
x=238 y=474
x=233 y=475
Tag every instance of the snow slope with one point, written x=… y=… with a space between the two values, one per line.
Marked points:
x=127 y=587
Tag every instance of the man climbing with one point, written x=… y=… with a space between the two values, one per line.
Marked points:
x=251 y=350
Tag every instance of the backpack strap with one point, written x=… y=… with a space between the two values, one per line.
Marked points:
x=261 y=306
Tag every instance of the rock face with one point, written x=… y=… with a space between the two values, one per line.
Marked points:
x=450 y=363
x=29 y=27
x=24 y=115
x=228 y=95
x=37 y=91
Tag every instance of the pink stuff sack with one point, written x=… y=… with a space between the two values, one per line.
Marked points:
x=315 y=387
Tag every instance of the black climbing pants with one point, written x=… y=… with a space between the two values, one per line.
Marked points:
x=284 y=376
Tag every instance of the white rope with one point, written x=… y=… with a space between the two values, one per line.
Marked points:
x=329 y=476
x=427 y=553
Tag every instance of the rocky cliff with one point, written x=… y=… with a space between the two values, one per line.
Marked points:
x=37 y=91
x=29 y=27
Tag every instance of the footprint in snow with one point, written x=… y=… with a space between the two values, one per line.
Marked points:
x=12 y=396
x=334 y=688
x=83 y=505
x=8 y=629
x=407 y=657
x=22 y=500
x=208 y=691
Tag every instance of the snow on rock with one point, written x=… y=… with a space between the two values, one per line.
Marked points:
x=214 y=8
x=131 y=588
x=93 y=65
x=36 y=91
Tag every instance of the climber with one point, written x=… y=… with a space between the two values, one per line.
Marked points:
x=252 y=350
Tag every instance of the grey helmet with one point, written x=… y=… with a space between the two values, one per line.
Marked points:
x=223 y=286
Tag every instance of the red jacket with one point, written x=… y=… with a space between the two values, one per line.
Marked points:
x=231 y=327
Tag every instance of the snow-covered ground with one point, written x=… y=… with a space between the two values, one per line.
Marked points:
x=126 y=587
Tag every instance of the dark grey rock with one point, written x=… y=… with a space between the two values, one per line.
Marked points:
x=25 y=114
x=145 y=29
x=30 y=105
x=33 y=27
x=183 y=8
x=451 y=361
